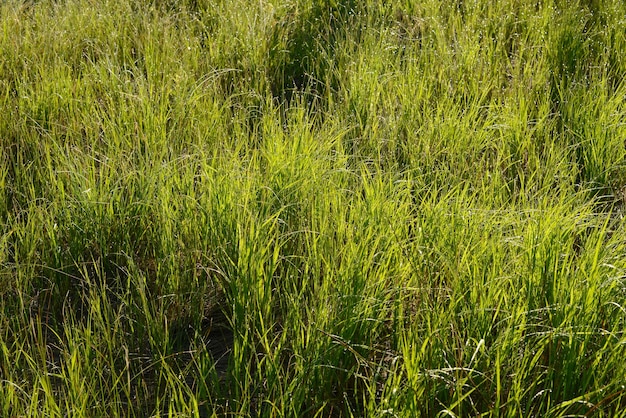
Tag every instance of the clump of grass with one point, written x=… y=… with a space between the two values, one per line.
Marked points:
x=312 y=208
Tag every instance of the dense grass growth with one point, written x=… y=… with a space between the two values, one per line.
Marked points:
x=312 y=208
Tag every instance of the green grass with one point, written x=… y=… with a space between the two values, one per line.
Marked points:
x=312 y=208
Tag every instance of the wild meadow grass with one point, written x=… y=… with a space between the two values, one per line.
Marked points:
x=312 y=208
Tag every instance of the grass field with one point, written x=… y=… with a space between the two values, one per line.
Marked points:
x=313 y=208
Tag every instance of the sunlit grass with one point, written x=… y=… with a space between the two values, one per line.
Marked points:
x=312 y=208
